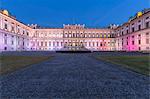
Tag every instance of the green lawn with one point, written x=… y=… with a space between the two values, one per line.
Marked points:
x=9 y=64
x=139 y=64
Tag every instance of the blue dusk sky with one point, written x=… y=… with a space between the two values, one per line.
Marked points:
x=92 y=13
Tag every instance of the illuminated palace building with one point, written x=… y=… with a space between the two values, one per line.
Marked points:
x=133 y=35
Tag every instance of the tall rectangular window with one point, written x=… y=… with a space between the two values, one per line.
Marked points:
x=5 y=41
x=147 y=25
x=127 y=31
x=93 y=44
x=23 y=32
x=41 y=43
x=18 y=30
x=49 y=43
x=147 y=41
x=12 y=28
x=139 y=27
x=132 y=29
x=61 y=43
x=89 y=43
x=132 y=42
x=139 y=41
x=23 y=43
x=45 y=43
x=57 y=43
x=27 y=33
x=101 y=44
x=5 y=26
x=12 y=42
x=53 y=43
x=139 y=48
x=38 y=43
x=122 y=33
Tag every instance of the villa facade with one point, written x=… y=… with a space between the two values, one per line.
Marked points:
x=133 y=35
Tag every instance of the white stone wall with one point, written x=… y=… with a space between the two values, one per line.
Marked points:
x=14 y=35
x=131 y=36
x=137 y=40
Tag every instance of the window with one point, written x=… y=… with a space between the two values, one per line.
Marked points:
x=147 y=41
x=139 y=35
x=122 y=33
x=18 y=30
x=147 y=48
x=132 y=42
x=97 y=35
x=5 y=48
x=38 y=43
x=89 y=43
x=101 y=44
x=27 y=33
x=147 y=24
x=127 y=31
x=53 y=43
x=5 y=41
x=12 y=29
x=73 y=34
x=23 y=32
x=147 y=34
x=57 y=43
x=5 y=26
x=139 y=27
x=147 y=18
x=12 y=42
x=132 y=29
x=61 y=43
x=139 y=41
x=49 y=43
x=93 y=44
x=139 y=48
x=45 y=43
x=23 y=43
x=132 y=36
x=139 y=21
x=41 y=43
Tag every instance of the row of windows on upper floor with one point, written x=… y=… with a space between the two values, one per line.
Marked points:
x=12 y=41
x=70 y=32
x=127 y=29
x=85 y=35
x=45 y=44
x=147 y=41
x=88 y=31
x=74 y=35
x=12 y=29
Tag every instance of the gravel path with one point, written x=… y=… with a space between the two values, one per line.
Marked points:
x=78 y=76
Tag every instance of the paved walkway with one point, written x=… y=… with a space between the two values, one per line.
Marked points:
x=74 y=76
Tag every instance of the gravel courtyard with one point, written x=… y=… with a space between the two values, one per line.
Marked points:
x=79 y=76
